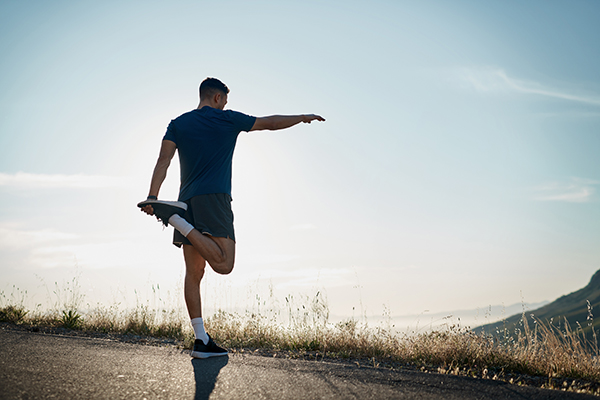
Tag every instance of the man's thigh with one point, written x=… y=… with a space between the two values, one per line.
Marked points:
x=227 y=245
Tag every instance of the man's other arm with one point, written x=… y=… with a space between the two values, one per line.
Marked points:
x=276 y=122
x=167 y=151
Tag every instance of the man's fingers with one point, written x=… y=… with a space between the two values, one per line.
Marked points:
x=148 y=210
x=312 y=117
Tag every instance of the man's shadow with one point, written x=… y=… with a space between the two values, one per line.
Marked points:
x=206 y=372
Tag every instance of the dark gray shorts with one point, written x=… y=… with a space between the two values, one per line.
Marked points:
x=210 y=214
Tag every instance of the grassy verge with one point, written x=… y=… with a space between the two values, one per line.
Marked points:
x=542 y=355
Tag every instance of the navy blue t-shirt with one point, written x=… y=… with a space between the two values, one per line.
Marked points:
x=205 y=140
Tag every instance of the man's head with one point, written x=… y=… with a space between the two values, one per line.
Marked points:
x=213 y=92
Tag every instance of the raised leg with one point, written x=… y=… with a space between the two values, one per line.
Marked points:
x=218 y=251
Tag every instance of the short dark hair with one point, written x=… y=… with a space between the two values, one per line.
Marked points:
x=209 y=86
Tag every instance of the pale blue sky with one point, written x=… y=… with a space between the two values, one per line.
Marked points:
x=457 y=168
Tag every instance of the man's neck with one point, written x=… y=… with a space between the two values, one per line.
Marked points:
x=206 y=103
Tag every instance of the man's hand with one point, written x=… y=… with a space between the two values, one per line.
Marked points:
x=311 y=117
x=148 y=210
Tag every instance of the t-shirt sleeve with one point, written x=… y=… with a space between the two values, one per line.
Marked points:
x=241 y=121
x=170 y=135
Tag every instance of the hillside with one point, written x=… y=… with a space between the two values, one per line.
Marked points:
x=573 y=307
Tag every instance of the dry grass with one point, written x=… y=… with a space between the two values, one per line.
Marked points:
x=66 y=312
x=543 y=354
x=139 y=321
x=549 y=353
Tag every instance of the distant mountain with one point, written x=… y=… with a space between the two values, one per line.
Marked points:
x=573 y=307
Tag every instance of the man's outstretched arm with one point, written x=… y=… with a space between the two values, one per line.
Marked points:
x=275 y=122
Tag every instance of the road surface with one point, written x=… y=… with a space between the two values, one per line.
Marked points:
x=44 y=366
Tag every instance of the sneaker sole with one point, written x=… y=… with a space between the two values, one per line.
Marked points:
x=178 y=204
x=199 y=354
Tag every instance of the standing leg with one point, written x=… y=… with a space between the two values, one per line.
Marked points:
x=194 y=271
x=195 y=264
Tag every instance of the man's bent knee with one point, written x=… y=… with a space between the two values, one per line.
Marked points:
x=224 y=264
x=222 y=268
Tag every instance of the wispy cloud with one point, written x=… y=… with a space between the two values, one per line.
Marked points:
x=34 y=248
x=577 y=190
x=490 y=79
x=11 y=237
x=51 y=248
x=24 y=180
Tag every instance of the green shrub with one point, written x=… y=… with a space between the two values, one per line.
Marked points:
x=71 y=319
x=14 y=314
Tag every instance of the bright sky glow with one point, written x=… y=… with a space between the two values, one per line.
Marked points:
x=458 y=166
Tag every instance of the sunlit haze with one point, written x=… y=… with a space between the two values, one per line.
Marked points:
x=458 y=167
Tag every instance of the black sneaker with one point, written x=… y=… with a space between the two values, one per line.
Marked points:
x=165 y=209
x=211 y=349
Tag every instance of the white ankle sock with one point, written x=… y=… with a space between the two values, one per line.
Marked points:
x=180 y=224
x=199 y=331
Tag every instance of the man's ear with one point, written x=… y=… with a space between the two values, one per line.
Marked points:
x=217 y=97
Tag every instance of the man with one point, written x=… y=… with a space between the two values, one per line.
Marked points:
x=205 y=139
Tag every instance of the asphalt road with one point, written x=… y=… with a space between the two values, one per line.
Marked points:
x=43 y=366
